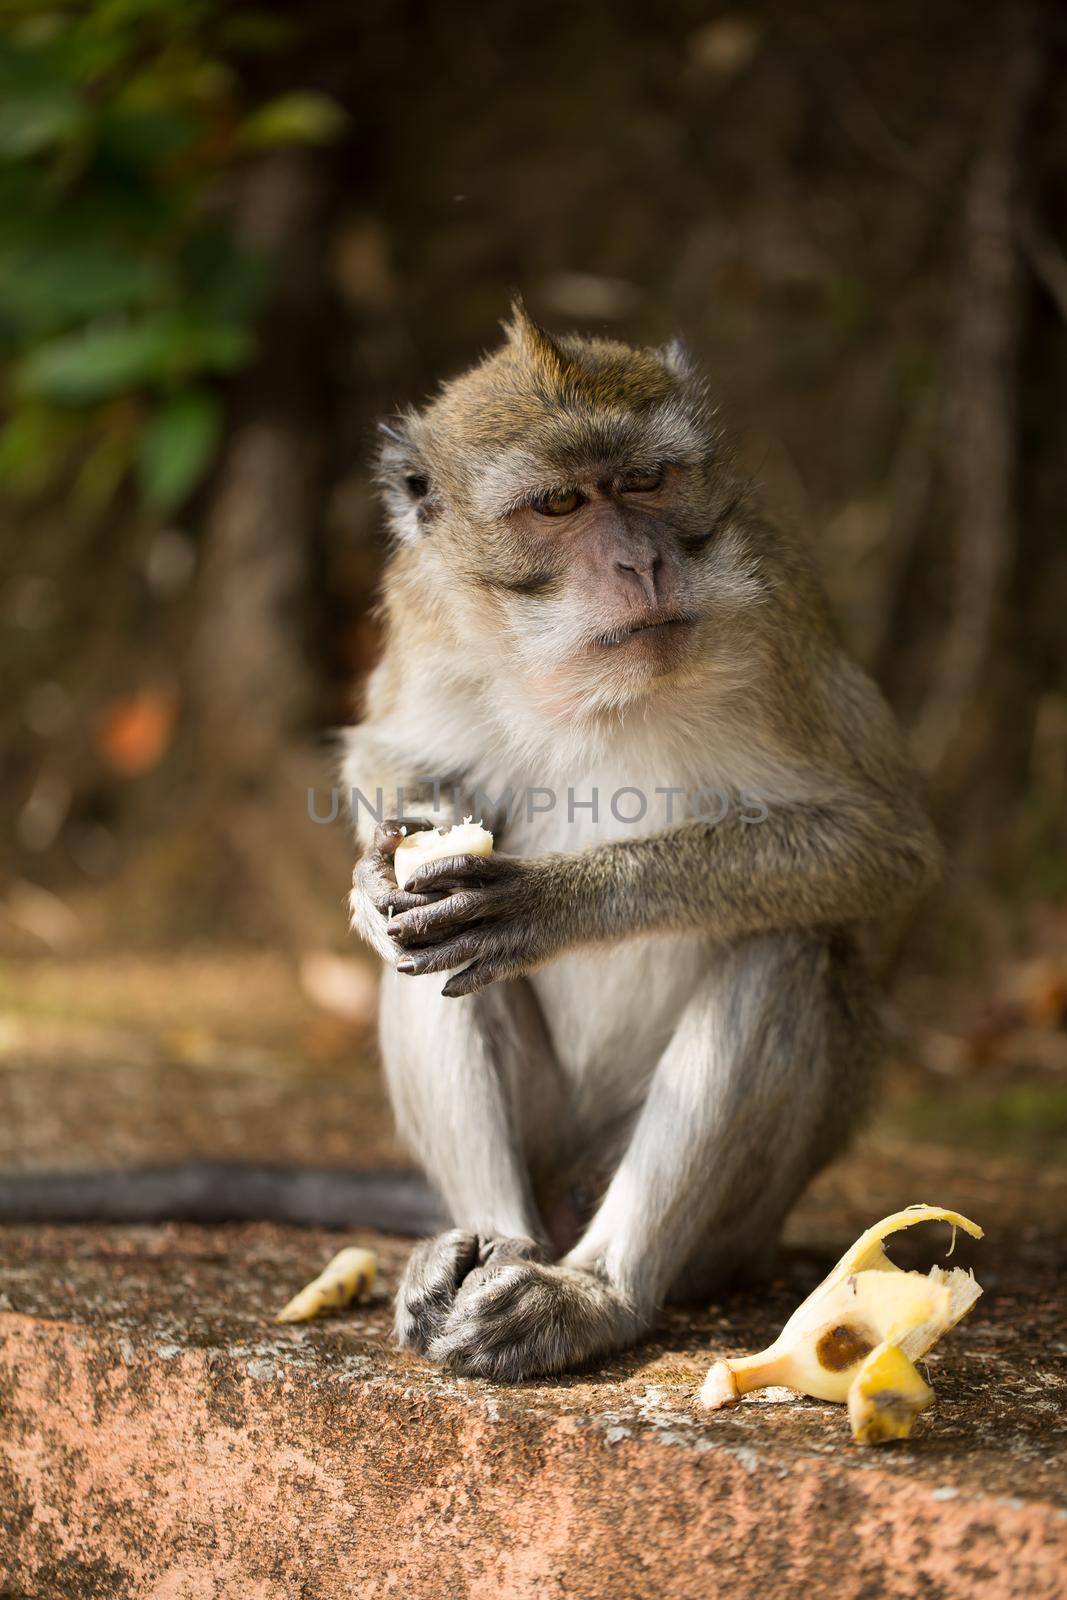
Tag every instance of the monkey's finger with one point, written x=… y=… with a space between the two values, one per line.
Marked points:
x=441 y=957
x=375 y=877
x=428 y=924
x=459 y=872
x=390 y=900
x=479 y=975
x=389 y=833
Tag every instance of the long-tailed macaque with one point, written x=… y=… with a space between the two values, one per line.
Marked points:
x=622 y=1044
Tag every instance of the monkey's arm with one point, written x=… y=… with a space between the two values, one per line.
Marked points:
x=860 y=856
x=856 y=858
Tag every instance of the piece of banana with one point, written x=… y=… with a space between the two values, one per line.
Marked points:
x=467 y=838
x=350 y=1273
x=865 y=1303
x=886 y=1395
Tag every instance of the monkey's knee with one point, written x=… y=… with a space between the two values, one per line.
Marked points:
x=814 y=1037
x=799 y=1039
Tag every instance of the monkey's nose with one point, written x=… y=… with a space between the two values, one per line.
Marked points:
x=642 y=573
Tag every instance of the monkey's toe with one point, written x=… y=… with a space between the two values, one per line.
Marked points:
x=527 y=1320
x=435 y=1272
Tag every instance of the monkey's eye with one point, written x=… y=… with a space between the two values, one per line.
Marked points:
x=417 y=486
x=558 y=504
x=637 y=482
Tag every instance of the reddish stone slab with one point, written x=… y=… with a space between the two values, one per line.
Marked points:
x=159 y=1437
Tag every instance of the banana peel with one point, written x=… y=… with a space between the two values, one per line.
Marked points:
x=351 y=1272
x=865 y=1325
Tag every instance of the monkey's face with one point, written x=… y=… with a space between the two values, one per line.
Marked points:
x=566 y=503
x=597 y=574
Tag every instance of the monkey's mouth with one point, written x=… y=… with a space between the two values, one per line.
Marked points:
x=665 y=626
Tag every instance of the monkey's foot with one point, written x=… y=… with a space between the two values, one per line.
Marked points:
x=436 y=1271
x=526 y=1320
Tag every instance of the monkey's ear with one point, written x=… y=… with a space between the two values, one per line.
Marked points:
x=402 y=475
x=534 y=342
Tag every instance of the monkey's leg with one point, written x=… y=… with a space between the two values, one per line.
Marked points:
x=468 y=1081
x=758 y=1085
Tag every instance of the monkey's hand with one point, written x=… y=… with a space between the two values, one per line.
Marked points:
x=375 y=895
x=493 y=916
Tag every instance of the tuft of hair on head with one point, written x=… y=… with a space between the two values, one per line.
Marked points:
x=677 y=360
x=534 y=343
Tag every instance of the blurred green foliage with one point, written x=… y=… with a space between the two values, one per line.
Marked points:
x=124 y=296
x=1027 y=1118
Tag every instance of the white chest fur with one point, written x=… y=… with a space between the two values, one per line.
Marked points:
x=611 y=1011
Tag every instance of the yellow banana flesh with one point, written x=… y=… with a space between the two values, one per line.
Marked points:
x=866 y=1303
x=886 y=1395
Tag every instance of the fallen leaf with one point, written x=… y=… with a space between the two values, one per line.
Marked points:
x=134 y=732
x=340 y=985
x=1044 y=993
x=40 y=912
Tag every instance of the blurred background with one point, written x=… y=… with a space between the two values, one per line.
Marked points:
x=232 y=237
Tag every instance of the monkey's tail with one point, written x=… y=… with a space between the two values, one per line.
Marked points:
x=220 y=1191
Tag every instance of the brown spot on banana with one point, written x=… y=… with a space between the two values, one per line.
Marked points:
x=842 y=1346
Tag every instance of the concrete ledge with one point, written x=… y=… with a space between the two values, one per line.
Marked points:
x=160 y=1437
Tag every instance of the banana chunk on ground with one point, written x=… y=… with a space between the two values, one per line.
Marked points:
x=886 y=1395
x=351 y=1273
x=866 y=1324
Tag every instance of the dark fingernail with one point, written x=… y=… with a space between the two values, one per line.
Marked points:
x=393 y=928
x=406 y=966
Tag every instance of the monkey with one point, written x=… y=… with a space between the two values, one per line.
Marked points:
x=620 y=1046
x=618 y=1049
